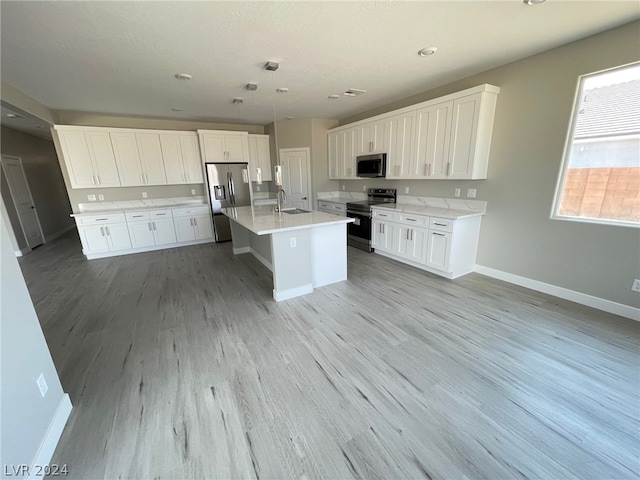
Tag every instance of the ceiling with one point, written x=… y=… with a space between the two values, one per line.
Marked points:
x=120 y=58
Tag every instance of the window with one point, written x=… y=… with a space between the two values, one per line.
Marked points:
x=600 y=177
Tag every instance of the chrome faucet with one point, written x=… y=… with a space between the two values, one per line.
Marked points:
x=280 y=201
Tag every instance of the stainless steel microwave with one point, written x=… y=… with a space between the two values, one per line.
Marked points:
x=371 y=166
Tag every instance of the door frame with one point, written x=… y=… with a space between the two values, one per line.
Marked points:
x=308 y=150
x=13 y=199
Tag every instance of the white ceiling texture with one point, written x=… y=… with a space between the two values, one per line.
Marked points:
x=121 y=57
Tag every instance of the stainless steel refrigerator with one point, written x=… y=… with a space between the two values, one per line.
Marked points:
x=229 y=186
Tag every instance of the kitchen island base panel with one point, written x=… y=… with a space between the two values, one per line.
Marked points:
x=300 y=260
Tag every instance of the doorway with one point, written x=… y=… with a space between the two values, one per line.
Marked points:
x=296 y=176
x=22 y=200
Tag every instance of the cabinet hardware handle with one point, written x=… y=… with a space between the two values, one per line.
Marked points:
x=107 y=229
x=160 y=214
x=191 y=222
x=412 y=234
x=137 y=216
x=102 y=231
x=149 y=225
x=448 y=168
x=410 y=219
x=408 y=230
x=439 y=234
x=371 y=146
x=93 y=180
x=101 y=219
x=384 y=228
x=195 y=222
x=154 y=225
x=440 y=224
x=98 y=178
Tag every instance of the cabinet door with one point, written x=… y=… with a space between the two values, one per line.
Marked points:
x=400 y=153
x=173 y=162
x=433 y=132
x=75 y=151
x=125 y=149
x=151 y=158
x=264 y=155
x=333 y=154
x=236 y=148
x=347 y=157
x=94 y=239
x=164 y=231
x=383 y=235
x=184 y=229
x=439 y=250
x=464 y=128
x=103 y=158
x=379 y=136
x=412 y=243
x=191 y=158
x=213 y=147
x=203 y=227
x=371 y=138
x=118 y=236
x=141 y=234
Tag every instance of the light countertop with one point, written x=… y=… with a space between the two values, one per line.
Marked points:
x=262 y=221
x=450 y=213
x=100 y=208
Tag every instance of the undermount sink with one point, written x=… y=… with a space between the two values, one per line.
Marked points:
x=294 y=211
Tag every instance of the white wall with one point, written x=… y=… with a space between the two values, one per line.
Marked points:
x=31 y=424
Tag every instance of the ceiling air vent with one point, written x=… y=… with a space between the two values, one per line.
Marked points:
x=354 y=92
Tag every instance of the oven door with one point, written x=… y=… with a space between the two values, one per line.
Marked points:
x=359 y=232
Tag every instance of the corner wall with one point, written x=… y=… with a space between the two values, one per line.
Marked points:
x=531 y=123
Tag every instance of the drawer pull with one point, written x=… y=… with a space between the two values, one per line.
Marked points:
x=159 y=214
x=440 y=224
x=149 y=224
x=101 y=219
x=411 y=219
x=137 y=216
x=439 y=234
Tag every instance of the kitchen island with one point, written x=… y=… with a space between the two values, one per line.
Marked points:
x=303 y=250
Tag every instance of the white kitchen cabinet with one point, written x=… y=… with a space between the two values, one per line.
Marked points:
x=371 y=137
x=400 y=150
x=259 y=157
x=433 y=135
x=193 y=223
x=383 y=235
x=335 y=208
x=88 y=157
x=139 y=158
x=333 y=153
x=148 y=228
x=342 y=157
x=181 y=155
x=438 y=252
x=221 y=146
x=103 y=233
x=464 y=135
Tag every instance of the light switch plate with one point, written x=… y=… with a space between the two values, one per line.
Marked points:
x=101 y=197
x=42 y=385
x=193 y=191
x=343 y=186
x=456 y=192
x=635 y=287
x=471 y=193
x=406 y=190
x=92 y=198
x=144 y=194
x=292 y=242
x=364 y=188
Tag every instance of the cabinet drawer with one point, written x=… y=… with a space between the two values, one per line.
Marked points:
x=99 y=219
x=385 y=215
x=339 y=207
x=441 y=224
x=161 y=213
x=137 y=216
x=190 y=211
x=410 y=219
x=325 y=205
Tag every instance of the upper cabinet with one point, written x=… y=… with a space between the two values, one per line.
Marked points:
x=259 y=158
x=444 y=138
x=88 y=156
x=181 y=156
x=139 y=158
x=220 y=146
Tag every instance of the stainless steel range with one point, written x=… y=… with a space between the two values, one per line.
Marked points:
x=359 y=232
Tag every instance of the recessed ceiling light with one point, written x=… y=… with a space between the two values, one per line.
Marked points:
x=354 y=92
x=533 y=2
x=333 y=97
x=251 y=86
x=183 y=76
x=425 y=52
x=176 y=109
x=282 y=90
x=13 y=115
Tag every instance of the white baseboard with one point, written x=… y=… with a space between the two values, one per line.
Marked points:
x=22 y=251
x=292 y=292
x=59 y=233
x=241 y=250
x=560 y=292
x=152 y=248
x=262 y=260
x=51 y=438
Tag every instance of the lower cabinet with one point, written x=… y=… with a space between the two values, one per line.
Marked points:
x=443 y=246
x=143 y=230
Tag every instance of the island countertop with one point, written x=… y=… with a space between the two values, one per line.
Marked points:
x=262 y=221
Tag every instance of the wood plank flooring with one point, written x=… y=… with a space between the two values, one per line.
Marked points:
x=179 y=364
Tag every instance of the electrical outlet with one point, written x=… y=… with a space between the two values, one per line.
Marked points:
x=42 y=385
x=101 y=197
x=92 y=198
x=471 y=193
x=364 y=188
x=292 y=242
x=456 y=192
x=343 y=186
x=257 y=188
x=406 y=190
x=144 y=194
x=635 y=287
x=193 y=191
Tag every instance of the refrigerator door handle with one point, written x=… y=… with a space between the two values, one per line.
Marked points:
x=232 y=190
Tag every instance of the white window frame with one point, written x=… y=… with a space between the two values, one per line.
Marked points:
x=566 y=154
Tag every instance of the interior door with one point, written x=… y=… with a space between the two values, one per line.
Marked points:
x=23 y=201
x=295 y=177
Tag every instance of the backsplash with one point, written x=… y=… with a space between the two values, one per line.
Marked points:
x=146 y=203
x=452 y=203
x=343 y=195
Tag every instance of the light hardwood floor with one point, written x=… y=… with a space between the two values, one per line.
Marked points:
x=179 y=364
